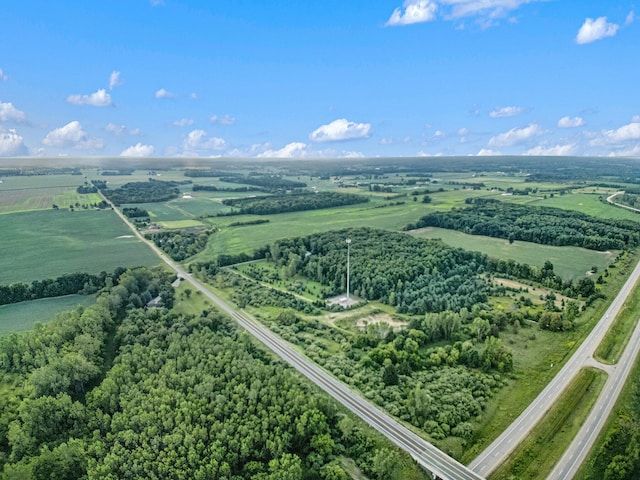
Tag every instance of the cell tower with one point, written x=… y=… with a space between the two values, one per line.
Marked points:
x=348 y=252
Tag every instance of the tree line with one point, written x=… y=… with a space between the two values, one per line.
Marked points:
x=545 y=225
x=293 y=202
x=180 y=245
x=271 y=182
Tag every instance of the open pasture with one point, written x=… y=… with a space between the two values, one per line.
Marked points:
x=25 y=199
x=20 y=317
x=589 y=204
x=49 y=243
x=568 y=262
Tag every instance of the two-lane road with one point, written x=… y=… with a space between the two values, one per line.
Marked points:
x=425 y=454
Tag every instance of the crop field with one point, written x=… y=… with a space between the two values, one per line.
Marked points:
x=589 y=204
x=200 y=204
x=22 y=316
x=26 y=199
x=49 y=243
x=163 y=212
x=568 y=262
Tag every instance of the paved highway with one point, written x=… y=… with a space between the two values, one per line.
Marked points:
x=425 y=454
x=502 y=446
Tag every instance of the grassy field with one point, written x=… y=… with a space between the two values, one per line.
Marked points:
x=22 y=200
x=20 y=317
x=616 y=339
x=534 y=458
x=589 y=204
x=49 y=243
x=569 y=262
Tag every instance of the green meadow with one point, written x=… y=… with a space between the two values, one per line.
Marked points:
x=569 y=262
x=48 y=243
x=22 y=316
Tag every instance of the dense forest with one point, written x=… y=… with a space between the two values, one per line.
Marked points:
x=546 y=225
x=213 y=188
x=180 y=245
x=293 y=202
x=115 y=391
x=143 y=192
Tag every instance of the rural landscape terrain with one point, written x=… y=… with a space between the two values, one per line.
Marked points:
x=387 y=318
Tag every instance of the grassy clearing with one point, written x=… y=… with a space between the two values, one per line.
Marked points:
x=589 y=204
x=569 y=262
x=49 y=243
x=20 y=317
x=180 y=224
x=616 y=339
x=537 y=454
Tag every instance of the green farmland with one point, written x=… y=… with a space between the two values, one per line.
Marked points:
x=20 y=317
x=49 y=243
x=569 y=262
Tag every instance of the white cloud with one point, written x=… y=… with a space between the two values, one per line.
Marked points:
x=486 y=152
x=597 y=29
x=138 y=150
x=12 y=144
x=193 y=96
x=223 y=120
x=183 y=122
x=98 y=99
x=633 y=151
x=115 y=80
x=156 y=3
x=636 y=118
x=556 y=150
x=415 y=11
x=291 y=150
x=570 y=122
x=339 y=130
x=501 y=112
x=631 y=16
x=162 y=93
x=3 y=77
x=420 y=11
x=351 y=155
x=516 y=136
x=626 y=133
x=197 y=142
x=72 y=135
x=121 y=130
x=9 y=113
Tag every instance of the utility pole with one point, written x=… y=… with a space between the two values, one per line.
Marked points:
x=348 y=247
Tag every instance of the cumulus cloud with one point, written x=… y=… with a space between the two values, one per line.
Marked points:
x=197 y=142
x=420 y=11
x=138 y=150
x=516 y=136
x=571 y=122
x=626 y=133
x=9 y=113
x=115 y=80
x=339 y=130
x=162 y=93
x=98 y=99
x=291 y=150
x=597 y=29
x=156 y=3
x=636 y=118
x=413 y=11
x=183 y=122
x=223 y=120
x=631 y=16
x=72 y=135
x=121 y=130
x=633 y=151
x=556 y=150
x=501 y=112
x=3 y=77
x=12 y=144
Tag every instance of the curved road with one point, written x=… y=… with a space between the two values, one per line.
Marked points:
x=425 y=454
x=499 y=450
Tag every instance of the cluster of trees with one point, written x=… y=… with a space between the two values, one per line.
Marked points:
x=135 y=212
x=114 y=173
x=67 y=284
x=143 y=192
x=412 y=274
x=212 y=188
x=86 y=188
x=180 y=244
x=116 y=391
x=630 y=199
x=203 y=173
x=545 y=225
x=271 y=182
x=293 y=202
x=257 y=221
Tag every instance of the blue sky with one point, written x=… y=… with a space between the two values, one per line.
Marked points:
x=329 y=78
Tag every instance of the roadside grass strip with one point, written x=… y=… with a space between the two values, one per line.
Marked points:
x=534 y=458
